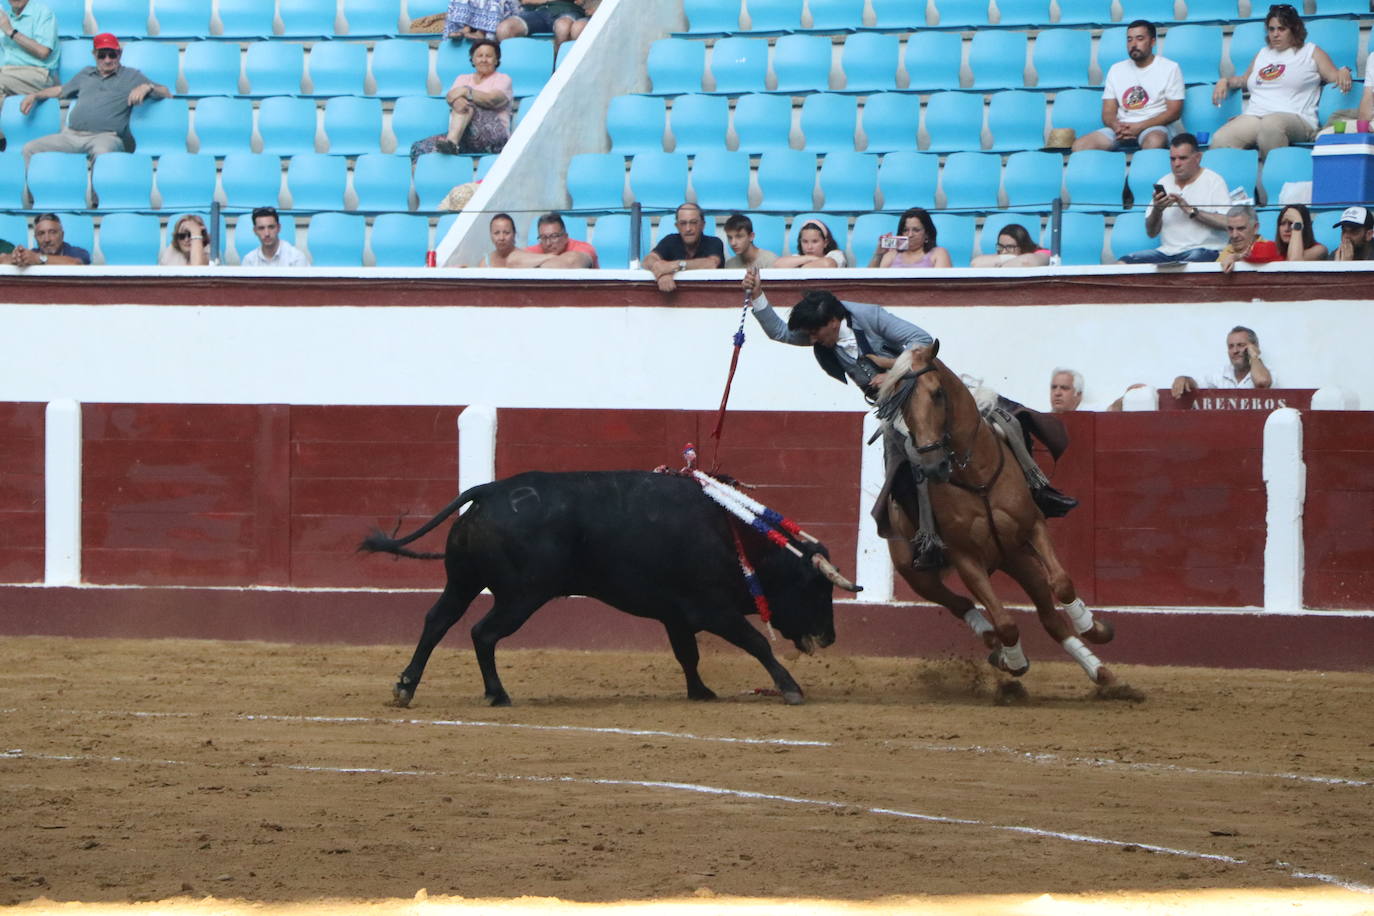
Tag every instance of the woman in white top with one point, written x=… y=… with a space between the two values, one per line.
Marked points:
x=1285 y=82
x=815 y=248
x=189 y=244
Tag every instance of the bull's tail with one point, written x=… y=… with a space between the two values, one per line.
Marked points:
x=377 y=541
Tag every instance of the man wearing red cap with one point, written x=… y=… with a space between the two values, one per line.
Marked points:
x=108 y=92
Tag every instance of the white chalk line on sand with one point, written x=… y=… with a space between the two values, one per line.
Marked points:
x=696 y=788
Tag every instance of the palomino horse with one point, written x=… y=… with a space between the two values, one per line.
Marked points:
x=986 y=517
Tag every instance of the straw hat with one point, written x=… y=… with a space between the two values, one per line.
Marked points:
x=1061 y=138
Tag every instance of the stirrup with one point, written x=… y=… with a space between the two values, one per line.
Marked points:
x=1053 y=503
x=927 y=552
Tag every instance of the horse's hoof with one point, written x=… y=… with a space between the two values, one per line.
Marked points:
x=995 y=660
x=792 y=697
x=1011 y=693
x=1121 y=692
x=498 y=699
x=701 y=693
x=401 y=697
x=1102 y=632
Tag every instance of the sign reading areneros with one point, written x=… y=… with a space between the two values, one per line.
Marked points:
x=1237 y=399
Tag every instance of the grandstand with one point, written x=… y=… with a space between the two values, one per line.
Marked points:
x=882 y=103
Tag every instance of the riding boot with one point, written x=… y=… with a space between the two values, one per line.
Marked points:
x=1047 y=499
x=928 y=550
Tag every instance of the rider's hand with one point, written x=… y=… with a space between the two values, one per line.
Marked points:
x=751 y=284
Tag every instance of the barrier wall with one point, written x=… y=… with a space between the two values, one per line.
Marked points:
x=22 y=499
x=1338 y=517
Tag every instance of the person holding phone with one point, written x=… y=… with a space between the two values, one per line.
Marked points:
x=913 y=245
x=1187 y=211
x=1244 y=369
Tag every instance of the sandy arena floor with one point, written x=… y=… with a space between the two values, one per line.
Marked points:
x=277 y=775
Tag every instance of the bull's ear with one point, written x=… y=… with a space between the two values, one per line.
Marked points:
x=935 y=348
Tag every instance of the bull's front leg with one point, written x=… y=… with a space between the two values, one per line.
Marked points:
x=684 y=642
x=737 y=630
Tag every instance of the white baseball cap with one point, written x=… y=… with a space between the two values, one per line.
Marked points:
x=1355 y=216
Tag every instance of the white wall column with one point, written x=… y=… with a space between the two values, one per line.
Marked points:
x=62 y=493
x=873 y=567
x=1285 y=481
x=476 y=446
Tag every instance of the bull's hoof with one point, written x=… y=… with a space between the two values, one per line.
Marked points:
x=498 y=699
x=995 y=660
x=1120 y=692
x=1011 y=693
x=793 y=697
x=701 y=692
x=1102 y=632
x=401 y=696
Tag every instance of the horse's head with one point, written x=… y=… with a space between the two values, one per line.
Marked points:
x=915 y=388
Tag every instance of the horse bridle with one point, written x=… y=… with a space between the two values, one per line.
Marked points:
x=943 y=442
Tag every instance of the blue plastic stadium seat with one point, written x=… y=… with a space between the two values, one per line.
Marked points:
x=1128 y=234
x=274 y=67
x=963 y=14
x=1061 y=58
x=1160 y=12
x=635 y=123
x=891 y=121
x=898 y=15
x=287 y=125
x=443 y=226
x=1334 y=100
x=451 y=61
x=484 y=164
x=774 y=16
x=739 y=65
x=316 y=181
x=336 y=239
x=1342 y=8
x=246 y=18
x=933 y=60
x=828 y=121
x=676 y=65
x=436 y=175
x=909 y=179
x=57 y=181
x=251 y=180
x=245 y=241
x=307 y=18
x=1079 y=109
x=658 y=180
x=720 y=180
x=1081 y=238
x=849 y=181
x=596 y=181
x=125 y=18
x=185 y=181
x=1246 y=40
x=123 y=181
x=371 y=18
x=158 y=60
x=183 y=18
x=222 y=125
x=11 y=185
x=1223 y=11
x=415 y=117
x=529 y=61
x=399 y=240
x=337 y=68
x=399 y=69
x=353 y=125
x=71 y=21
x=130 y=238
x=836 y=15
x=382 y=182
x=998 y=60
x=863 y=240
x=1094 y=180
x=1201 y=116
x=763 y=122
x=160 y=126
x=44 y=118
x=1147 y=167
x=76 y=54
x=1240 y=167
x=971 y=181
x=1033 y=179
x=1035 y=13
x=14 y=229
x=1016 y=119
x=611 y=237
x=699 y=122
x=1196 y=49
x=212 y=68
x=954 y=121
x=1339 y=38
x=1111 y=48
x=1085 y=12
x=869 y=61
x=802 y=63
x=1282 y=165
x=954 y=233
x=712 y=17
x=787 y=179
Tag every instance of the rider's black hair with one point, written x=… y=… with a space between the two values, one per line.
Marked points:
x=816 y=309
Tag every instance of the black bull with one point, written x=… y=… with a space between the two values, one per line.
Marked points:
x=652 y=545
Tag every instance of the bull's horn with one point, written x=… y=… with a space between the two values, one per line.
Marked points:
x=830 y=572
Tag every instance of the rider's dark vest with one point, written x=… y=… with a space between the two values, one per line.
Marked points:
x=831 y=363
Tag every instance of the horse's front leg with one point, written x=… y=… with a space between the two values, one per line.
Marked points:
x=930 y=583
x=1094 y=631
x=1011 y=659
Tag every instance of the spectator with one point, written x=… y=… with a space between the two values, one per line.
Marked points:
x=1294 y=237
x=555 y=249
x=29 y=52
x=189 y=244
x=687 y=249
x=1246 y=244
x=918 y=230
x=502 y=231
x=1015 y=248
x=107 y=92
x=1066 y=390
x=477 y=19
x=1285 y=82
x=1366 y=111
x=563 y=19
x=1245 y=369
x=52 y=247
x=273 y=250
x=6 y=251
x=1141 y=97
x=479 y=102
x=739 y=232
x=815 y=248
x=1357 y=235
x=1185 y=214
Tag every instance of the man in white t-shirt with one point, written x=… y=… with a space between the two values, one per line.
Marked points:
x=1141 y=97
x=1188 y=212
x=1245 y=368
x=272 y=250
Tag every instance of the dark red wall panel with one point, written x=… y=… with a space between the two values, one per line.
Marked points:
x=22 y=501
x=1338 y=521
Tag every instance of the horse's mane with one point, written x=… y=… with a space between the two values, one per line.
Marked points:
x=895 y=375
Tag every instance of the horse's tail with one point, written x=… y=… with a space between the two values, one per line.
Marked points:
x=377 y=540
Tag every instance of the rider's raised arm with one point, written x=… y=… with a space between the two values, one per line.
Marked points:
x=897 y=333
x=774 y=326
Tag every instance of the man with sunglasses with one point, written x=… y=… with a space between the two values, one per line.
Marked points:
x=108 y=92
x=29 y=52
